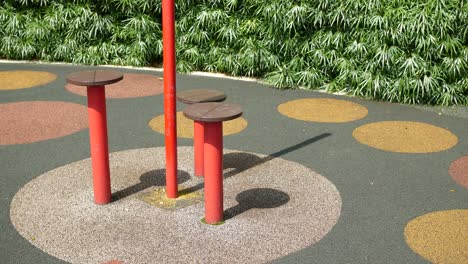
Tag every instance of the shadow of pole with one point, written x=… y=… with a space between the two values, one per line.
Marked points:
x=252 y=162
x=244 y=161
x=261 y=198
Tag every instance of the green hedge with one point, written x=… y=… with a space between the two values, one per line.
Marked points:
x=393 y=50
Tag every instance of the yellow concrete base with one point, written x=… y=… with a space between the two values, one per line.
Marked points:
x=158 y=198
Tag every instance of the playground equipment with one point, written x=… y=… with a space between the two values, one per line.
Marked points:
x=211 y=117
x=168 y=21
x=193 y=97
x=95 y=82
x=204 y=109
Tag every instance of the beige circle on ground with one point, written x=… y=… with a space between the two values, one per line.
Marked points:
x=185 y=125
x=28 y=122
x=132 y=85
x=14 y=80
x=293 y=208
x=440 y=237
x=325 y=110
x=405 y=137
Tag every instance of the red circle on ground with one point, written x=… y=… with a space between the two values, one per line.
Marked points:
x=132 y=85
x=459 y=171
x=114 y=261
x=28 y=122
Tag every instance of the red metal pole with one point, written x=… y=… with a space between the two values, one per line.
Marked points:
x=98 y=144
x=168 y=21
x=198 y=142
x=213 y=172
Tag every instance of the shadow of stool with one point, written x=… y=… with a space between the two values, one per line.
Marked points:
x=261 y=198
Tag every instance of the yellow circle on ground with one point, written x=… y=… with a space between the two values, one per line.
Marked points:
x=185 y=125
x=13 y=80
x=325 y=110
x=440 y=237
x=405 y=137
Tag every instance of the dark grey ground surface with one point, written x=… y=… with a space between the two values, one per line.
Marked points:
x=381 y=191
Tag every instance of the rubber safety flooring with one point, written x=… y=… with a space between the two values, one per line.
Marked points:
x=309 y=177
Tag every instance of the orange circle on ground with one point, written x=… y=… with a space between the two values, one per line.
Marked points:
x=325 y=110
x=132 y=85
x=185 y=125
x=405 y=137
x=440 y=237
x=14 y=80
x=28 y=122
x=459 y=171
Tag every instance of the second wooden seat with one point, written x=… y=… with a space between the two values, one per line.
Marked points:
x=193 y=97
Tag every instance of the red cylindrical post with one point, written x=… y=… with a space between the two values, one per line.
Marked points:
x=213 y=172
x=98 y=143
x=168 y=21
x=198 y=143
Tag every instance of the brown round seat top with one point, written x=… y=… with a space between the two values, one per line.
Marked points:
x=213 y=112
x=94 y=78
x=200 y=96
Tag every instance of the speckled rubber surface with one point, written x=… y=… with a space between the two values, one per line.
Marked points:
x=405 y=137
x=386 y=196
x=17 y=79
x=324 y=110
x=273 y=207
x=459 y=171
x=33 y=121
x=440 y=236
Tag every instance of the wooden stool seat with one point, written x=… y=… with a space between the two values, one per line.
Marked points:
x=200 y=96
x=197 y=96
x=213 y=112
x=94 y=78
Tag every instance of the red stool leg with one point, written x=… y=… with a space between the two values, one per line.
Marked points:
x=213 y=172
x=198 y=142
x=98 y=144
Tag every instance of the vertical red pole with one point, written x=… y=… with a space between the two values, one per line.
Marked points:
x=98 y=142
x=168 y=21
x=198 y=142
x=213 y=172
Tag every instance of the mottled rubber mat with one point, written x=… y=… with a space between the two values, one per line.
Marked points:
x=28 y=122
x=273 y=207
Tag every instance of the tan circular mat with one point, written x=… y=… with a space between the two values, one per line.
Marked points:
x=459 y=171
x=27 y=122
x=185 y=125
x=268 y=215
x=132 y=85
x=323 y=110
x=405 y=137
x=13 y=80
x=440 y=237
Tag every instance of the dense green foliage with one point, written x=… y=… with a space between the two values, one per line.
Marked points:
x=90 y=32
x=394 y=50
